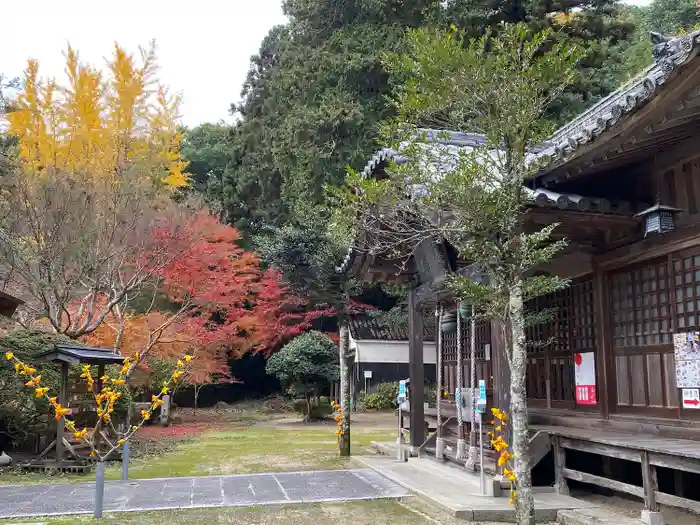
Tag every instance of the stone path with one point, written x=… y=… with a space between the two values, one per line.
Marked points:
x=211 y=491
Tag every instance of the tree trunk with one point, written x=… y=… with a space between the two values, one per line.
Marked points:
x=197 y=389
x=345 y=380
x=524 y=507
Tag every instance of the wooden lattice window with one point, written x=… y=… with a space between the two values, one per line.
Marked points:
x=641 y=313
x=686 y=270
x=551 y=345
x=572 y=327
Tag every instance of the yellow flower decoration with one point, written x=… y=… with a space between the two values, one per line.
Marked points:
x=9 y=356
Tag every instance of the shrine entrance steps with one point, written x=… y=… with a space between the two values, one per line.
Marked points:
x=458 y=492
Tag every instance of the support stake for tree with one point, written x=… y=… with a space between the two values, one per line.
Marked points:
x=125 y=461
x=461 y=442
x=439 y=440
x=473 y=448
x=99 y=489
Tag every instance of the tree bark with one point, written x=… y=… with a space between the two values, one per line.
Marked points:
x=345 y=380
x=524 y=507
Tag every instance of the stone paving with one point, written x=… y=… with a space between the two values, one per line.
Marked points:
x=211 y=491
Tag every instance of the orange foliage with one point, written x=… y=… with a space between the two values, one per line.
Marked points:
x=233 y=306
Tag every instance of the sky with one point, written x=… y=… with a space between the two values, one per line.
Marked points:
x=204 y=46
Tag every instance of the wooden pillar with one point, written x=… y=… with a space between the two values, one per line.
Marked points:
x=604 y=357
x=416 y=371
x=63 y=400
x=560 y=484
x=651 y=484
x=501 y=370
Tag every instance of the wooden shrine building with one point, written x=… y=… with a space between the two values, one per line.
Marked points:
x=628 y=327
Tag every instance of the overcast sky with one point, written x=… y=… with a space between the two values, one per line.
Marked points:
x=204 y=46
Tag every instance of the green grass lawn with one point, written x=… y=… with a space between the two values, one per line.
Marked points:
x=235 y=448
x=248 y=445
x=379 y=512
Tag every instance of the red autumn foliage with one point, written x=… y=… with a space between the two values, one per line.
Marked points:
x=231 y=305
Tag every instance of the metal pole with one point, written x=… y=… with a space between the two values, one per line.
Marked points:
x=482 y=480
x=125 y=461
x=399 y=440
x=99 y=488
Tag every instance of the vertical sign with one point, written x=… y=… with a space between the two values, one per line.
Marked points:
x=691 y=398
x=584 y=371
x=402 y=390
x=481 y=403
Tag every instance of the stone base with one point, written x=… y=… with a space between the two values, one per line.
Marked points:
x=473 y=459
x=461 y=449
x=652 y=518
x=440 y=448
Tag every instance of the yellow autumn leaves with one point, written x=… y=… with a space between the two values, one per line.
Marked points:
x=105 y=399
x=338 y=419
x=100 y=124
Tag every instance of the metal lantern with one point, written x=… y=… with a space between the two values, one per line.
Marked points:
x=658 y=219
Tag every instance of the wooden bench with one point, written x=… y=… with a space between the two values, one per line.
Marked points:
x=649 y=452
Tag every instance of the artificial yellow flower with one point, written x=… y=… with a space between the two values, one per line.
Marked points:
x=9 y=356
x=121 y=442
x=40 y=392
x=188 y=358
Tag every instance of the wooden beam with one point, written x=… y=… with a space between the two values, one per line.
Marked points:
x=584 y=477
x=416 y=370
x=674 y=462
x=560 y=484
x=676 y=501
x=651 y=483
x=599 y=448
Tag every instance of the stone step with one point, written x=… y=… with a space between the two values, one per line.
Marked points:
x=594 y=516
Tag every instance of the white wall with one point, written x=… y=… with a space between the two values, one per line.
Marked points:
x=370 y=351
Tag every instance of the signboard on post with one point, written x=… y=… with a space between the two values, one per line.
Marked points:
x=481 y=402
x=368 y=374
x=402 y=391
x=584 y=372
x=691 y=398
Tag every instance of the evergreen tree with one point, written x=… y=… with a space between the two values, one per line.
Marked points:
x=316 y=91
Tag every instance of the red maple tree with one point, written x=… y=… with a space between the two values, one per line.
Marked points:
x=226 y=305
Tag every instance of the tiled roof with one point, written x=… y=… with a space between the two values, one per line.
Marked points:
x=670 y=54
x=364 y=327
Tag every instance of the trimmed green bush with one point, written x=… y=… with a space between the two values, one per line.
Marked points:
x=383 y=398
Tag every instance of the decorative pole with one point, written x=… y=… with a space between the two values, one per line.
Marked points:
x=473 y=448
x=461 y=443
x=439 y=441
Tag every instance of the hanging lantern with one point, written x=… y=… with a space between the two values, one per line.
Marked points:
x=659 y=219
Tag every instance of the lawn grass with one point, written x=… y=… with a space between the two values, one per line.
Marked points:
x=233 y=447
x=377 y=512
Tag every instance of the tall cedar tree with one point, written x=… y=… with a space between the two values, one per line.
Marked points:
x=316 y=91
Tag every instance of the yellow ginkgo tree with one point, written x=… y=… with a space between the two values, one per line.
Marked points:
x=100 y=122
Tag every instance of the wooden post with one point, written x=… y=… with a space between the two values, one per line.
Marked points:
x=501 y=370
x=604 y=358
x=651 y=483
x=560 y=484
x=61 y=423
x=416 y=371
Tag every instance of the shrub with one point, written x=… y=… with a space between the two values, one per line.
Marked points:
x=383 y=398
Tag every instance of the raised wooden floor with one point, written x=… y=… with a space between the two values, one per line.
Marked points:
x=649 y=451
